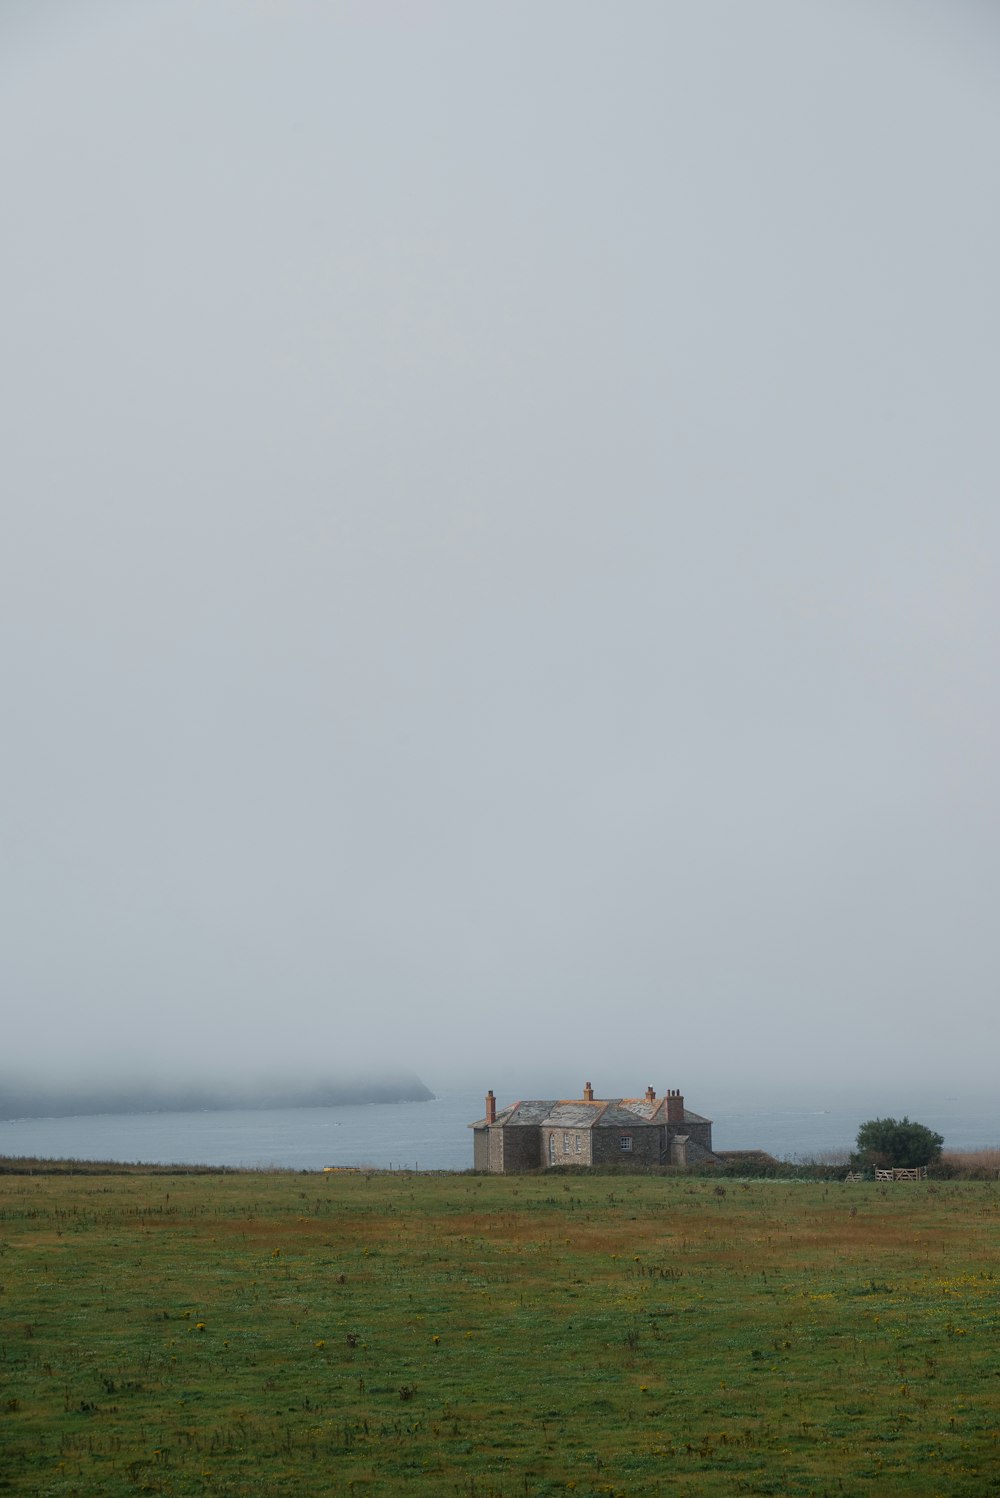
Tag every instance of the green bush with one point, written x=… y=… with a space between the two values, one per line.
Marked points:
x=886 y=1142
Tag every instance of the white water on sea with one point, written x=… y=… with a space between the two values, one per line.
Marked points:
x=434 y=1135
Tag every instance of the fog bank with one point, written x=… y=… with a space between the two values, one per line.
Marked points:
x=499 y=557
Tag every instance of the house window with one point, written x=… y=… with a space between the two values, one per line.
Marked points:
x=578 y=1144
x=552 y=1149
x=565 y=1144
x=625 y=1142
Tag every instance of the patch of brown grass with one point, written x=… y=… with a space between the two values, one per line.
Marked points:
x=985 y=1160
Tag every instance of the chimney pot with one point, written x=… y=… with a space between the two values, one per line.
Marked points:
x=588 y=1093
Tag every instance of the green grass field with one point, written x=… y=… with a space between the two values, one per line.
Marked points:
x=439 y=1335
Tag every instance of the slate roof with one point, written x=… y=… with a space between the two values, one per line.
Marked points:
x=621 y=1112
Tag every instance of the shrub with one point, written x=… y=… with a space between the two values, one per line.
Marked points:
x=889 y=1142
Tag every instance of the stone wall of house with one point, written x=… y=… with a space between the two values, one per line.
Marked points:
x=565 y=1146
x=519 y=1148
x=698 y=1133
x=481 y=1149
x=645 y=1145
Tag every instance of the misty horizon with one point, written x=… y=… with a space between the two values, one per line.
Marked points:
x=499 y=576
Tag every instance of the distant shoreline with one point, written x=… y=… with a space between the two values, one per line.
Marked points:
x=24 y=1103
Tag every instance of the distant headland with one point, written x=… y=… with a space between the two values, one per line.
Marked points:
x=70 y=1100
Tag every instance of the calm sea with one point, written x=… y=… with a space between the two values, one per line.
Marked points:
x=434 y=1136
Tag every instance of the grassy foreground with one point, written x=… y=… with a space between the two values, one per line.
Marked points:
x=496 y=1338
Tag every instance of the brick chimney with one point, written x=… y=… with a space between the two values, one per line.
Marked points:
x=491 y=1107
x=588 y=1093
x=650 y=1095
x=675 y=1106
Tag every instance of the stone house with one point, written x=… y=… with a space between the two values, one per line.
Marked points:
x=590 y=1131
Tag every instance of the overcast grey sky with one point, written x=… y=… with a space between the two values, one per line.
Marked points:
x=500 y=537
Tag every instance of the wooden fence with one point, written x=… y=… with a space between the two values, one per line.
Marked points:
x=918 y=1173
